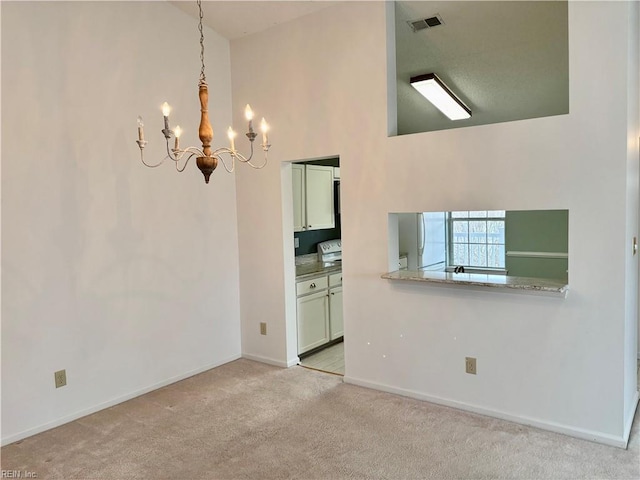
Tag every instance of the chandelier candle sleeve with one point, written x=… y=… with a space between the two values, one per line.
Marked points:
x=265 y=128
x=177 y=132
x=248 y=113
x=166 y=110
x=232 y=135
x=140 y=129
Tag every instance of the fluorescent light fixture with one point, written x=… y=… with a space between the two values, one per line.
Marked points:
x=437 y=93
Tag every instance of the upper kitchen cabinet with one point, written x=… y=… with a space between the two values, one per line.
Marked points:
x=299 y=198
x=313 y=200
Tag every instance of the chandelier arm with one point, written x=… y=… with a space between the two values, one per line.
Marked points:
x=147 y=164
x=264 y=164
x=171 y=153
x=191 y=150
x=194 y=151
x=224 y=164
x=177 y=154
x=223 y=150
x=185 y=163
x=247 y=160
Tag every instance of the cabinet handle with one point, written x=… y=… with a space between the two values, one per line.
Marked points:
x=310 y=226
x=313 y=285
x=332 y=293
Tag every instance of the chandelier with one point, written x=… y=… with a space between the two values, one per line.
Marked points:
x=206 y=159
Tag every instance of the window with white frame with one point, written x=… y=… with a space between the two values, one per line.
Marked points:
x=476 y=239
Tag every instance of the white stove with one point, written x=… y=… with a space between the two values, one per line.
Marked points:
x=330 y=251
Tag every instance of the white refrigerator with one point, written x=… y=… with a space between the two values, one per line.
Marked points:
x=423 y=237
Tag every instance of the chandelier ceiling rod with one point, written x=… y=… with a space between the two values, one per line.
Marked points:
x=206 y=159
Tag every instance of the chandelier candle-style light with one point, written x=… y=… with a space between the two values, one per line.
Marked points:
x=207 y=160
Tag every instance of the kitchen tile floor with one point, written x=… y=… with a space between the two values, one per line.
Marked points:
x=330 y=359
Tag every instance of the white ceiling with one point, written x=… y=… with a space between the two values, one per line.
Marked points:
x=235 y=19
x=506 y=60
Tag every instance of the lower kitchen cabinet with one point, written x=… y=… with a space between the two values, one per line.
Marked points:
x=320 y=317
x=313 y=321
x=335 y=313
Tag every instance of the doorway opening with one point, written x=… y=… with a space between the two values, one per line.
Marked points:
x=318 y=325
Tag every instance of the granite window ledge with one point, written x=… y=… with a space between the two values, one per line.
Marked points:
x=541 y=286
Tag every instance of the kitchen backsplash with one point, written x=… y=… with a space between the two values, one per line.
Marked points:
x=309 y=240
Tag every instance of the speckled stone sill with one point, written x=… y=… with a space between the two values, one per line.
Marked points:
x=524 y=284
x=310 y=270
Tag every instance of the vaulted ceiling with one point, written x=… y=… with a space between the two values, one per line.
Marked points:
x=235 y=19
x=506 y=60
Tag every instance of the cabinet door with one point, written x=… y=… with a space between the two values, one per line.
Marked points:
x=319 y=185
x=335 y=313
x=313 y=321
x=299 y=198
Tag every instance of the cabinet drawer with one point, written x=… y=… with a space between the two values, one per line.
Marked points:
x=312 y=285
x=335 y=279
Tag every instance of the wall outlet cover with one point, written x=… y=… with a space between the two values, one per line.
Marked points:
x=60 y=378
x=470 y=365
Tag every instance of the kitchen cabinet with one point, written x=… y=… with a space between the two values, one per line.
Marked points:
x=313 y=321
x=319 y=312
x=299 y=198
x=313 y=202
x=336 y=323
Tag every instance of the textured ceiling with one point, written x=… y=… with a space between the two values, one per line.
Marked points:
x=505 y=60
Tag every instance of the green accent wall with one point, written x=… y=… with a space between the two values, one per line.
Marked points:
x=537 y=231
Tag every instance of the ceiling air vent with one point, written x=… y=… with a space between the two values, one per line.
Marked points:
x=423 y=23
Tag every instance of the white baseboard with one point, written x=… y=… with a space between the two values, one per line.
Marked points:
x=267 y=360
x=292 y=362
x=110 y=403
x=598 y=437
x=629 y=421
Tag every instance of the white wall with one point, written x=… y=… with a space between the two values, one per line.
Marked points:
x=632 y=341
x=557 y=363
x=126 y=277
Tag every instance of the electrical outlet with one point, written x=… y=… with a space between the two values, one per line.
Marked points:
x=296 y=242
x=470 y=365
x=61 y=378
x=263 y=328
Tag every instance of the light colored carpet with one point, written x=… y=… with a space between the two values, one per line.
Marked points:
x=246 y=420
